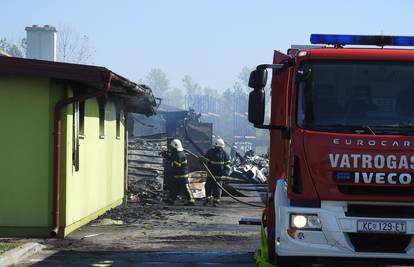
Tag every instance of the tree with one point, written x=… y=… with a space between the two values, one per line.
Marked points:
x=174 y=97
x=73 y=47
x=191 y=87
x=157 y=80
x=13 y=49
x=210 y=91
x=243 y=79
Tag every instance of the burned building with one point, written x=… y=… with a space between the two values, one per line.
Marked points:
x=146 y=168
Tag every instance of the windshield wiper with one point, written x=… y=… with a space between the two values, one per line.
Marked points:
x=383 y=129
x=369 y=128
x=348 y=127
x=396 y=126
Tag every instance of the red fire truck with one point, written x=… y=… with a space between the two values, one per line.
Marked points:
x=341 y=180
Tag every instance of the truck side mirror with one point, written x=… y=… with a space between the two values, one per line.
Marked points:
x=257 y=106
x=258 y=79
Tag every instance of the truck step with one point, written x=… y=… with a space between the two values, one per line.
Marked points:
x=250 y=221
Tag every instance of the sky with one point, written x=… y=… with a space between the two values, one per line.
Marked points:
x=210 y=40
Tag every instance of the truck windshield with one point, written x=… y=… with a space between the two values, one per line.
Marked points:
x=357 y=97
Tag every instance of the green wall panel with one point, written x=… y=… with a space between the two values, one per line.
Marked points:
x=100 y=179
x=24 y=157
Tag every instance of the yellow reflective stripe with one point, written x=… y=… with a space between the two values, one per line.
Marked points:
x=178 y=164
x=175 y=163
x=216 y=162
x=218 y=177
x=181 y=176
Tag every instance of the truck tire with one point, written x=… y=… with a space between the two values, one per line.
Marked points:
x=282 y=262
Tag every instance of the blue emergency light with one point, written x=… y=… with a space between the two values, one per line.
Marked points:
x=378 y=40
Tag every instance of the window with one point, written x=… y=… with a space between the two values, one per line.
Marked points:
x=82 y=119
x=118 y=119
x=356 y=96
x=102 y=104
x=75 y=137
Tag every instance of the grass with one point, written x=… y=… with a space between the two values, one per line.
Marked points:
x=5 y=246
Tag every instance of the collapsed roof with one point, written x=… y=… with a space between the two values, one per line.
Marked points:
x=137 y=98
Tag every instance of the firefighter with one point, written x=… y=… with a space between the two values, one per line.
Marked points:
x=179 y=169
x=219 y=164
x=233 y=152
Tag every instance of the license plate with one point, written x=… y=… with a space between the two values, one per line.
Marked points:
x=368 y=226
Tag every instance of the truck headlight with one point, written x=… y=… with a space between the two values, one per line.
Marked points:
x=305 y=221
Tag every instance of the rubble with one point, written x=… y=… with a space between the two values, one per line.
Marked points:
x=145 y=170
x=249 y=173
x=128 y=213
x=249 y=176
x=251 y=168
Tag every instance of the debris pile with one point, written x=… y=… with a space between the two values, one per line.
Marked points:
x=129 y=213
x=251 y=168
x=145 y=169
x=261 y=162
x=249 y=176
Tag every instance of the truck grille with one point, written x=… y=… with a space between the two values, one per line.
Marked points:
x=376 y=190
x=387 y=243
x=379 y=211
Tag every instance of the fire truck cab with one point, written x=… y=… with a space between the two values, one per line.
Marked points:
x=341 y=180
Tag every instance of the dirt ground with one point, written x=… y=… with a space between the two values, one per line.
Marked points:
x=164 y=227
x=128 y=233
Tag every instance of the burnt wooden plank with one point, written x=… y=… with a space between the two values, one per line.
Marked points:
x=145 y=159
x=144 y=172
x=135 y=165
x=148 y=153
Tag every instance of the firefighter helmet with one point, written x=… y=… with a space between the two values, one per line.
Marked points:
x=176 y=144
x=219 y=143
